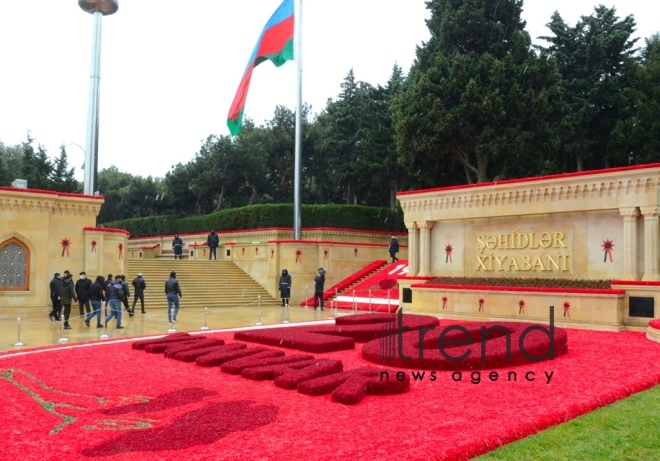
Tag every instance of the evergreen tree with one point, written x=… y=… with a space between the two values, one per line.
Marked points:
x=477 y=98
x=62 y=177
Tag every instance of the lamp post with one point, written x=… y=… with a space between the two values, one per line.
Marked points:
x=98 y=9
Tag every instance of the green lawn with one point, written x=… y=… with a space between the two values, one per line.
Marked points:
x=626 y=430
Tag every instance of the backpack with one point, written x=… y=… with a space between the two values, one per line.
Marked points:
x=120 y=291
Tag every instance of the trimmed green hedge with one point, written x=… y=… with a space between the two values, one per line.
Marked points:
x=266 y=216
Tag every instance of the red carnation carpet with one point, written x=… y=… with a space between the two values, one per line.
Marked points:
x=117 y=402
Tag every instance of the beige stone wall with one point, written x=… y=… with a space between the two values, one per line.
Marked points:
x=263 y=253
x=41 y=220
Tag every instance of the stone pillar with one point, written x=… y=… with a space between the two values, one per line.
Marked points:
x=413 y=248
x=629 y=243
x=425 y=248
x=651 y=246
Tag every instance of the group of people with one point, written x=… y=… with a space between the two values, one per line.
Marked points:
x=285 y=288
x=212 y=241
x=89 y=295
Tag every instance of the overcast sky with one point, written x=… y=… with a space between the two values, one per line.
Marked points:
x=170 y=69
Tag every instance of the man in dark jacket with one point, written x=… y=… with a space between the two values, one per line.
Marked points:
x=96 y=297
x=55 y=297
x=114 y=299
x=127 y=294
x=67 y=294
x=82 y=291
x=213 y=241
x=394 y=248
x=319 y=280
x=139 y=284
x=173 y=293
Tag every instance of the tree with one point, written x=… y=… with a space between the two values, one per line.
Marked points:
x=476 y=98
x=62 y=177
x=594 y=59
x=37 y=167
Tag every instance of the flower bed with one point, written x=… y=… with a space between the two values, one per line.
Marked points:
x=150 y=408
x=519 y=282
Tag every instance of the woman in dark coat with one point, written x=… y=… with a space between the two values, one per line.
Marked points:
x=285 y=287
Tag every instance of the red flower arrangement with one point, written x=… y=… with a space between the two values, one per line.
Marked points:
x=298 y=254
x=65 y=243
x=482 y=301
x=444 y=302
x=608 y=247
x=120 y=247
x=448 y=251
x=272 y=254
x=521 y=306
x=94 y=243
x=567 y=308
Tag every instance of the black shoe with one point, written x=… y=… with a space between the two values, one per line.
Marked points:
x=86 y=322
x=130 y=314
x=119 y=327
x=67 y=327
x=143 y=311
x=50 y=316
x=99 y=326
x=57 y=319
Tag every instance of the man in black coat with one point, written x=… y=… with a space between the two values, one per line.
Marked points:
x=177 y=246
x=83 y=286
x=139 y=284
x=55 y=297
x=319 y=280
x=213 y=241
x=394 y=248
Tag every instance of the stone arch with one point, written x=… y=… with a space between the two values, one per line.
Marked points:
x=15 y=258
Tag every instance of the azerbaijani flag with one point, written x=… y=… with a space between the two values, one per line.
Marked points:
x=276 y=44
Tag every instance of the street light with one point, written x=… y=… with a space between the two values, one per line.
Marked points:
x=98 y=9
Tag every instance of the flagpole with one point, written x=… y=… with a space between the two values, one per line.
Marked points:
x=297 y=207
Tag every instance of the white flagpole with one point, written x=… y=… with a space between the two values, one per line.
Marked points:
x=297 y=207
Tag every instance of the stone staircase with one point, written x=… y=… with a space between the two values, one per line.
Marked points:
x=211 y=284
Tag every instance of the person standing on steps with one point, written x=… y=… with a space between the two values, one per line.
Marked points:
x=139 y=284
x=285 y=287
x=96 y=297
x=173 y=293
x=319 y=280
x=394 y=248
x=213 y=241
x=177 y=246
x=67 y=294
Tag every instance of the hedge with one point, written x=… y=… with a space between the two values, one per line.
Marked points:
x=267 y=216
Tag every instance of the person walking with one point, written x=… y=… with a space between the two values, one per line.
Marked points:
x=177 y=246
x=319 y=280
x=114 y=295
x=127 y=294
x=173 y=293
x=55 y=297
x=96 y=297
x=82 y=291
x=140 y=285
x=67 y=294
x=285 y=287
x=394 y=248
x=213 y=241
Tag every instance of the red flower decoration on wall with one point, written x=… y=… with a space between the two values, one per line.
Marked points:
x=521 y=306
x=608 y=247
x=325 y=254
x=482 y=301
x=256 y=251
x=567 y=309
x=355 y=251
x=121 y=250
x=298 y=255
x=448 y=251
x=65 y=243
x=94 y=243
x=242 y=251
x=444 y=302
x=272 y=254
